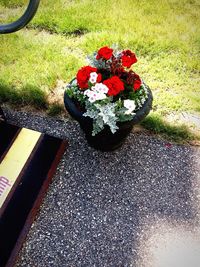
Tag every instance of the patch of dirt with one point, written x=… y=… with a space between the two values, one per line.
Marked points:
x=52 y=31
x=57 y=94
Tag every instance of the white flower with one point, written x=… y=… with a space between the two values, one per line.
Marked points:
x=100 y=96
x=130 y=105
x=97 y=92
x=88 y=93
x=100 y=88
x=93 y=77
x=94 y=96
x=91 y=95
x=92 y=99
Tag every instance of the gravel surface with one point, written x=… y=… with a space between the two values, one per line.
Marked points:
x=138 y=206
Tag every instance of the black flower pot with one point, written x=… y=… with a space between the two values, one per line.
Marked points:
x=106 y=140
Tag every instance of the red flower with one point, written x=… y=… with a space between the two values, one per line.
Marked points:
x=115 y=85
x=137 y=82
x=99 y=78
x=128 y=58
x=83 y=76
x=104 y=52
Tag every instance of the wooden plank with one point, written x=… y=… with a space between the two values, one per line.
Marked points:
x=27 y=166
x=36 y=205
x=15 y=159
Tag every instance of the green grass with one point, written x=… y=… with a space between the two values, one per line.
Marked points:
x=164 y=34
x=175 y=133
x=55 y=109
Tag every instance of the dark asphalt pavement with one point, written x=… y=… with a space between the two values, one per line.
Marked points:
x=138 y=206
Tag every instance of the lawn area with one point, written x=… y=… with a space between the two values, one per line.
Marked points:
x=164 y=34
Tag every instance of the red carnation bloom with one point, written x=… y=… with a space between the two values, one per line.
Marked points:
x=128 y=58
x=115 y=85
x=83 y=76
x=137 y=82
x=104 y=52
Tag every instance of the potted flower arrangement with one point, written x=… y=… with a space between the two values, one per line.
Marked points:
x=107 y=98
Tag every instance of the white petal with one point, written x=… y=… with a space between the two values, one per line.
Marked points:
x=92 y=99
x=93 y=77
x=101 y=88
x=86 y=92
x=100 y=96
x=130 y=105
